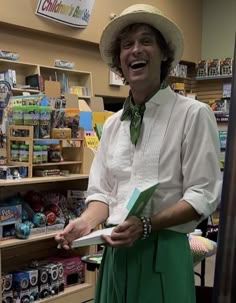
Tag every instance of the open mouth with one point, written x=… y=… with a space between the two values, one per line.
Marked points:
x=138 y=64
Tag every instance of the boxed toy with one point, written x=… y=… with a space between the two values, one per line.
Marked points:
x=226 y=66
x=202 y=69
x=214 y=67
x=9 y=216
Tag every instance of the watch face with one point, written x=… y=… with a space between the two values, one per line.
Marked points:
x=43 y=276
x=24 y=283
x=33 y=280
x=60 y=271
x=6 y=283
x=54 y=274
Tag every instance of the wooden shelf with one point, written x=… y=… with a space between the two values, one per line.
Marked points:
x=38 y=180
x=75 y=290
x=20 y=139
x=33 y=238
x=29 y=90
x=68 y=70
x=213 y=77
x=17 y=63
x=57 y=163
x=56 y=139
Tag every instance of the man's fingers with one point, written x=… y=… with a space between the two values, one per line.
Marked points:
x=116 y=243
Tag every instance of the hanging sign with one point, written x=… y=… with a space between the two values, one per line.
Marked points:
x=74 y=13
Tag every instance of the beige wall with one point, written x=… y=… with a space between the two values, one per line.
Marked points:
x=81 y=45
x=219 y=28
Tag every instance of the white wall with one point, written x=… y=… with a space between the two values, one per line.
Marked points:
x=218 y=28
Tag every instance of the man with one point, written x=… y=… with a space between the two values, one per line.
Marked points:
x=159 y=136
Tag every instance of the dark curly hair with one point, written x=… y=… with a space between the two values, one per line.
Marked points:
x=114 y=51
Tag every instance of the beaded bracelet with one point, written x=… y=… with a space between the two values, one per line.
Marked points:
x=147 y=227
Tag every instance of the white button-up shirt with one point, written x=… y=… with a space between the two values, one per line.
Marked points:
x=178 y=147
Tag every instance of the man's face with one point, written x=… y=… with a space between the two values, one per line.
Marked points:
x=140 y=58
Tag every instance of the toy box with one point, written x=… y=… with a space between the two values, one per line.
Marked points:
x=9 y=216
x=73 y=269
x=13 y=172
x=214 y=67
x=202 y=69
x=226 y=66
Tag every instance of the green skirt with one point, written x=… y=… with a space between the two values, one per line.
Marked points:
x=159 y=269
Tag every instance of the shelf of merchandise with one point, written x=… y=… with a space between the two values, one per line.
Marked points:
x=58 y=163
x=16 y=90
x=15 y=252
x=41 y=180
x=220 y=77
x=209 y=89
x=70 y=294
x=74 y=77
x=18 y=252
x=33 y=238
x=74 y=158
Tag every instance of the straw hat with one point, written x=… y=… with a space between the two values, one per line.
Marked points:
x=142 y=13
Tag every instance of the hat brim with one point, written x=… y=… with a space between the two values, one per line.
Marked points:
x=170 y=31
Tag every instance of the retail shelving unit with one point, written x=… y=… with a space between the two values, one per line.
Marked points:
x=70 y=77
x=17 y=252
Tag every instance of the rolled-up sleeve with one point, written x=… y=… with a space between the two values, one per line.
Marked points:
x=200 y=161
x=99 y=188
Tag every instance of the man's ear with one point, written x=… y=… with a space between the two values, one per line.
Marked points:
x=164 y=58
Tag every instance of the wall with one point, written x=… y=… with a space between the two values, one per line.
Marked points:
x=41 y=41
x=219 y=27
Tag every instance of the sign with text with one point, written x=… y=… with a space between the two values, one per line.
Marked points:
x=74 y=13
x=91 y=141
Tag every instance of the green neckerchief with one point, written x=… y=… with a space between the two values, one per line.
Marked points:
x=134 y=113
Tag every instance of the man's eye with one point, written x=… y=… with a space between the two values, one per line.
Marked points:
x=126 y=44
x=146 y=41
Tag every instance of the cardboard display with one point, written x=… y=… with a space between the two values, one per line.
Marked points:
x=52 y=89
x=96 y=104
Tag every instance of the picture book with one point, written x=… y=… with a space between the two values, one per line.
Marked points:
x=134 y=206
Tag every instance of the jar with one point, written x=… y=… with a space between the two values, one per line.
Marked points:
x=17 y=115
x=44 y=153
x=31 y=117
x=37 y=154
x=54 y=153
x=14 y=152
x=24 y=153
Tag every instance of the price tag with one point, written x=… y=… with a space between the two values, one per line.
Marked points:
x=91 y=141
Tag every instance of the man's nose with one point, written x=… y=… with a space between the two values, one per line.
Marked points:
x=137 y=47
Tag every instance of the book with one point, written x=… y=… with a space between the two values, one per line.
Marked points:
x=134 y=206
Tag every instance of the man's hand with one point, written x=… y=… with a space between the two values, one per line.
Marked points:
x=124 y=234
x=75 y=229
